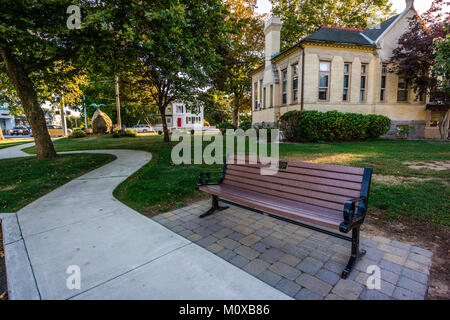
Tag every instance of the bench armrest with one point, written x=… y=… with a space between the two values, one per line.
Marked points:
x=351 y=216
x=204 y=178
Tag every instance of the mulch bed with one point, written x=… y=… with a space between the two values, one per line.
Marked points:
x=3 y=291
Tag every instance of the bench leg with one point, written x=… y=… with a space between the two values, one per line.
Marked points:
x=356 y=253
x=215 y=207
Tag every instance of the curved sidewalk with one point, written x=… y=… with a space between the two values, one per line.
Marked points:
x=120 y=253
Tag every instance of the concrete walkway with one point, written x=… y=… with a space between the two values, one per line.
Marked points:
x=120 y=253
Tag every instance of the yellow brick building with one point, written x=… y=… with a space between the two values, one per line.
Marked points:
x=339 y=69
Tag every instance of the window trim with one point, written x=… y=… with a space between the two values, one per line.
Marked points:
x=260 y=93
x=294 y=77
x=255 y=90
x=348 y=88
x=328 y=82
x=406 y=89
x=361 y=89
x=264 y=98
x=284 y=84
x=383 y=89
x=271 y=96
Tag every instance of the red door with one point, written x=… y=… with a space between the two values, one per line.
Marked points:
x=179 y=122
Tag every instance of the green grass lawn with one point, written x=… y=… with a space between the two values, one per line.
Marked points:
x=26 y=179
x=161 y=185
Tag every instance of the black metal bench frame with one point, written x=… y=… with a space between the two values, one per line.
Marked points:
x=353 y=219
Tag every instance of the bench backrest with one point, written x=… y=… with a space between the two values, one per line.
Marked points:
x=323 y=185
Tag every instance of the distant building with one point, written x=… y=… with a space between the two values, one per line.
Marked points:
x=52 y=118
x=178 y=116
x=7 y=120
x=343 y=69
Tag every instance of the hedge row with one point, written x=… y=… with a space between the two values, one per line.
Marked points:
x=313 y=126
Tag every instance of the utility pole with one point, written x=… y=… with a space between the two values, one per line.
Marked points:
x=63 y=116
x=119 y=121
x=85 y=114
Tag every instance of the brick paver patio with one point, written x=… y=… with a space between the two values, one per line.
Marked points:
x=300 y=262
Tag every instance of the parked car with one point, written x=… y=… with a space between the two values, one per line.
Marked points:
x=142 y=128
x=19 y=130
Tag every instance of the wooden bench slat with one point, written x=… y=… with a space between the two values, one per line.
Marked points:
x=293 y=210
x=326 y=174
x=309 y=165
x=296 y=183
x=313 y=201
x=282 y=174
x=296 y=191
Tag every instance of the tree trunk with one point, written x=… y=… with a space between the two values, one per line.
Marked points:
x=443 y=124
x=236 y=116
x=1 y=134
x=162 y=110
x=30 y=105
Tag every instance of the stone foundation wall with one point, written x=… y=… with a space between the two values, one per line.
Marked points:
x=417 y=133
x=272 y=124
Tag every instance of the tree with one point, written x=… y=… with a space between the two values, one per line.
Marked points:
x=415 y=58
x=243 y=52
x=217 y=107
x=174 y=43
x=442 y=68
x=303 y=17
x=442 y=53
x=34 y=38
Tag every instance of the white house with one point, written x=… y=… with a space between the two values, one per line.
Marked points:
x=7 y=120
x=178 y=116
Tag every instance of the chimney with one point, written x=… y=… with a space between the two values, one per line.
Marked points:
x=272 y=30
x=409 y=4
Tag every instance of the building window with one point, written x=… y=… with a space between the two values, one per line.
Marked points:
x=383 y=82
x=346 y=94
x=168 y=120
x=402 y=91
x=264 y=98
x=324 y=80
x=179 y=109
x=363 y=89
x=271 y=96
x=260 y=93
x=256 y=95
x=284 y=87
x=295 y=83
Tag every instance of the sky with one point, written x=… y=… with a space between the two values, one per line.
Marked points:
x=264 y=6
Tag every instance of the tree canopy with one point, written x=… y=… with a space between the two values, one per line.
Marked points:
x=243 y=52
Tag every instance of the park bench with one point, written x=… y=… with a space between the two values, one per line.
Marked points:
x=320 y=197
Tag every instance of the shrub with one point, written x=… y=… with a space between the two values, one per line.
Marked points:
x=205 y=123
x=160 y=132
x=223 y=126
x=245 y=124
x=404 y=131
x=192 y=131
x=263 y=125
x=77 y=134
x=124 y=133
x=313 y=126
